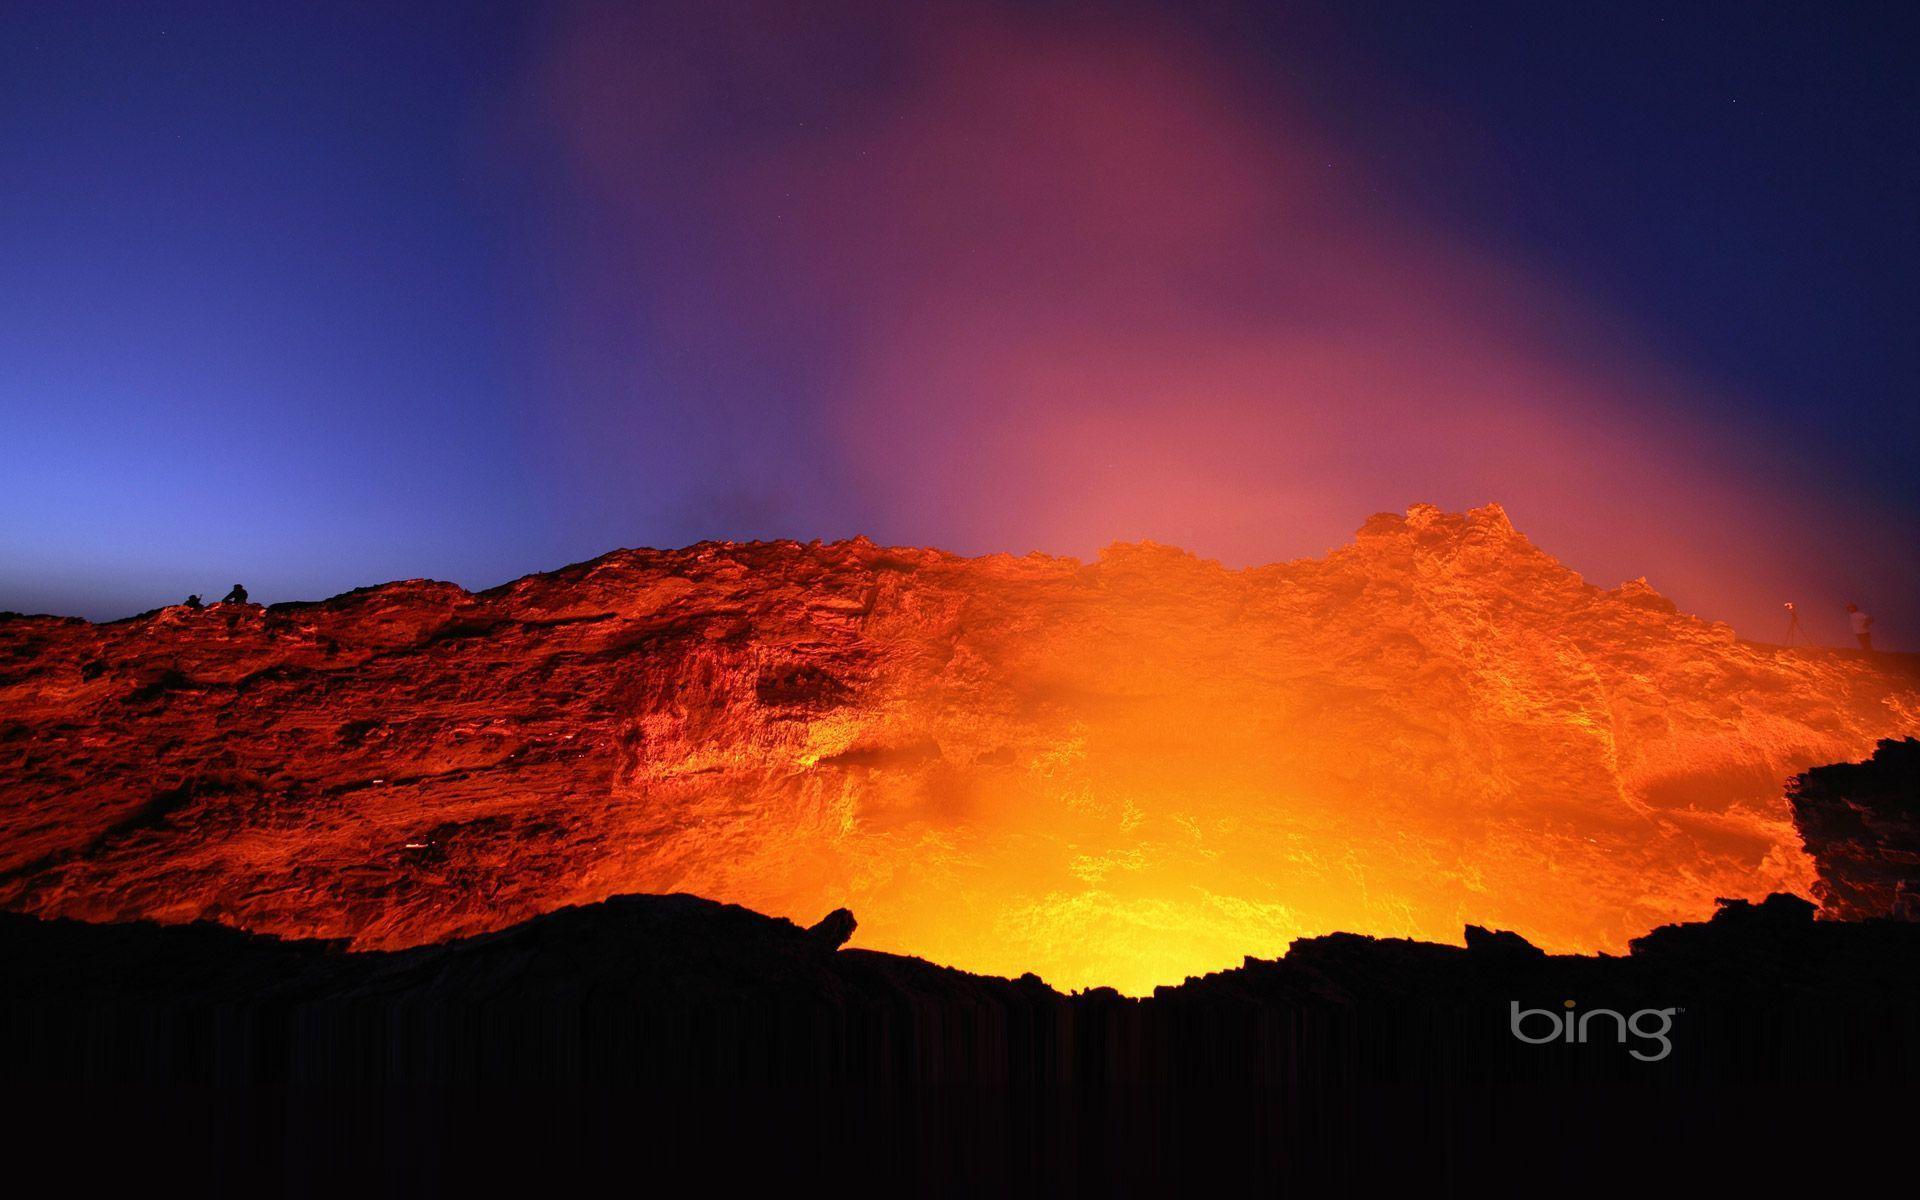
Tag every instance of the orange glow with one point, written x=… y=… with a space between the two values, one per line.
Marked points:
x=1125 y=773
x=1118 y=772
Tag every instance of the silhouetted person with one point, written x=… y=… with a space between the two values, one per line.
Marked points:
x=237 y=596
x=1862 y=626
x=194 y=602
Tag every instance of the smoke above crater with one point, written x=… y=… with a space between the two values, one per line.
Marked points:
x=1002 y=280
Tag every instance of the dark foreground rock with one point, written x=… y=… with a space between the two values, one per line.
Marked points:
x=1861 y=823
x=655 y=1037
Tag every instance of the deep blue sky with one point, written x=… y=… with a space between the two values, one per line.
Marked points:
x=315 y=296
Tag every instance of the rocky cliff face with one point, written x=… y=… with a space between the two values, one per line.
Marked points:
x=1861 y=823
x=1117 y=772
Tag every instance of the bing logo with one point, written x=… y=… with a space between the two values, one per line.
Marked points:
x=1577 y=1028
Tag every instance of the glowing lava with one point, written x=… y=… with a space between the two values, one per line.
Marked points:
x=1118 y=772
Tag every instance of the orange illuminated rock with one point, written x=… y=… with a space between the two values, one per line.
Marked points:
x=1118 y=772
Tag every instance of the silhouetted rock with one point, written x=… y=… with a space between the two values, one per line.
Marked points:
x=1861 y=823
x=680 y=948
x=833 y=930
x=1778 y=911
x=683 y=1034
x=1497 y=944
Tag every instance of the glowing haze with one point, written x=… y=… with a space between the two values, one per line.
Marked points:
x=1062 y=280
x=322 y=298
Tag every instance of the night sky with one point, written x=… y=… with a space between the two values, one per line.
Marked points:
x=316 y=296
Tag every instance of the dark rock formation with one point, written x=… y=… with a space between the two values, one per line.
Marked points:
x=833 y=930
x=1500 y=944
x=652 y=1036
x=1861 y=823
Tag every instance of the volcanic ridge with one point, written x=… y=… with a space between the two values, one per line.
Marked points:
x=1119 y=772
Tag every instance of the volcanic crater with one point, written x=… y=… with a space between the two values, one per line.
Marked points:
x=1119 y=772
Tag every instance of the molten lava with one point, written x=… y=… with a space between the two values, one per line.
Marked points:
x=1119 y=772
